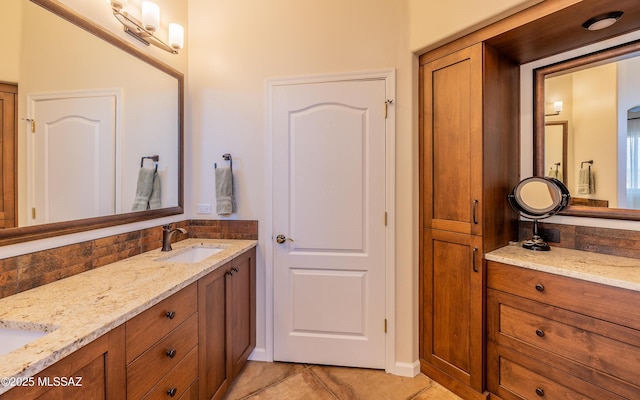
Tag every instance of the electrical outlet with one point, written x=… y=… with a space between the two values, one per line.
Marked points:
x=204 y=209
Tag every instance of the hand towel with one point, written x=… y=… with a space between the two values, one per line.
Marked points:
x=155 y=199
x=225 y=202
x=143 y=189
x=586 y=181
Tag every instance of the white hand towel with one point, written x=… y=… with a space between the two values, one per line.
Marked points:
x=586 y=181
x=225 y=202
x=155 y=199
x=143 y=189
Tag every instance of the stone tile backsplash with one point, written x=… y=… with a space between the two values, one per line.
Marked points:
x=27 y=271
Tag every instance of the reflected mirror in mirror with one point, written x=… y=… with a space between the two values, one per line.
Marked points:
x=591 y=141
x=537 y=198
x=92 y=111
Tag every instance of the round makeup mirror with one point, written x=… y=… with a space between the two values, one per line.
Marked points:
x=538 y=198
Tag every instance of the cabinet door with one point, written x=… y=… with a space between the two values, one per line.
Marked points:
x=96 y=371
x=452 y=305
x=8 y=145
x=214 y=369
x=242 y=311
x=451 y=138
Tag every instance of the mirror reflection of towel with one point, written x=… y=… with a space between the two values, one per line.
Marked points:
x=225 y=203
x=586 y=181
x=147 y=191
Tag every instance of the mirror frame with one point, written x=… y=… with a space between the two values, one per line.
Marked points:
x=539 y=125
x=28 y=233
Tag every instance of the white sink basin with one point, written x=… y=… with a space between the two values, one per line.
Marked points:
x=11 y=339
x=191 y=254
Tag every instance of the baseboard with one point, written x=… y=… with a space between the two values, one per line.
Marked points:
x=407 y=369
x=258 y=354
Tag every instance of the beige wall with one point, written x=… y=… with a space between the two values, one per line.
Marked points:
x=432 y=23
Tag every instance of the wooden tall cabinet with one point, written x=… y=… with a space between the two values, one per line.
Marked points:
x=8 y=150
x=468 y=164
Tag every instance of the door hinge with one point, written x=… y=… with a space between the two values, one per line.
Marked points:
x=33 y=213
x=33 y=124
x=385 y=218
x=385 y=325
x=386 y=105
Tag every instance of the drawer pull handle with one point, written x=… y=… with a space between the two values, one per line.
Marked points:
x=171 y=353
x=540 y=392
x=171 y=314
x=540 y=287
x=540 y=332
x=172 y=392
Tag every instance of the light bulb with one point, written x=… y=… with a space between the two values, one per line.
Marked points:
x=176 y=36
x=150 y=16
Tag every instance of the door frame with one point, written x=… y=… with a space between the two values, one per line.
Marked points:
x=388 y=76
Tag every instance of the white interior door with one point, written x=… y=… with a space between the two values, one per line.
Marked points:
x=329 y=202
x=73 y=158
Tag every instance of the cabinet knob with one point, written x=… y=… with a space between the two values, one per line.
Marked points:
x=172 y=392
x=539 y=287
x=171 y=314
x=540 y=332
x=171 y=353
x=540 y=392
x=235 y=269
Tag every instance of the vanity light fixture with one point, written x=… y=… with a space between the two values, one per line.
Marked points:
x=602 y=21
x=557 y=109
x=144 y=30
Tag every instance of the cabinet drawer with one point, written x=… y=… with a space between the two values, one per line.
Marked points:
x=580 y=345
x=600 y=301
x=179 y=381
x=526 y=384
x=147 y=328
x=153 y=364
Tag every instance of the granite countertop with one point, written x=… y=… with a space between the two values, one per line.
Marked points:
x=83 y=307
x=616 y=271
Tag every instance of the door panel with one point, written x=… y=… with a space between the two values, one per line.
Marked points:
x=73 y=151
x=329 y=198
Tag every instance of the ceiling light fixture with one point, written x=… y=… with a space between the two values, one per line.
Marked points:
x=146 y=29
x=602 y=21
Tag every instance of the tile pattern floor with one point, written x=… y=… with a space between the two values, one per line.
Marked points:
x=286 y=381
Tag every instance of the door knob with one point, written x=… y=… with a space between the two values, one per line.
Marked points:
x=282 y=238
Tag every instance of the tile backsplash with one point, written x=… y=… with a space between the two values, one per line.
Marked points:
x=616 y=242
x=27 y=271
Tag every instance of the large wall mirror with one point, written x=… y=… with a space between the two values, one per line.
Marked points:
x=596 y=98
x=97 y=119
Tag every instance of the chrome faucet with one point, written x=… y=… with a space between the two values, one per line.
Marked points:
x=167 y=232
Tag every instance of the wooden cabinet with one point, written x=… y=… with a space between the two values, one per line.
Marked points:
x=227 y=318
x=8 y=152
x=468 y=164
x=162 y=348
x=560 y=337
x=189 y=346
x=96 y=371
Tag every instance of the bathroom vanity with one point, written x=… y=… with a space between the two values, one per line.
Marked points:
x=154 y=325
x=562 y=325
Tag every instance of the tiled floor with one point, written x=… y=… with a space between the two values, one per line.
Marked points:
x=285 y=381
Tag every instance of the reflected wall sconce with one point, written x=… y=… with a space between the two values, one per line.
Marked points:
x=557 y=109
x=145 y=29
